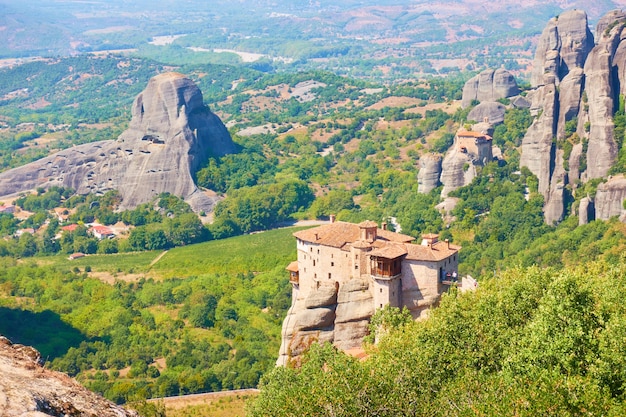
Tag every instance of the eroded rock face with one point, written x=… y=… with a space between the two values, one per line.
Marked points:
x=586 y=211
x=558 y=79
x=27 y=389
x=564 y=45
x=457 y=171
x=429 y=171
x=339 y=315
x=490 y=111
x=537 y=146
x=610 y=198
x=601 y=92
x=171 y=133
x=489 y=85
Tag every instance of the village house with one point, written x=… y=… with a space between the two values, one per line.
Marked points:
x=7 y=209
x=61 y=213
x=400 y=273
x=101 y=232
x=20 y=232
x=69 y=228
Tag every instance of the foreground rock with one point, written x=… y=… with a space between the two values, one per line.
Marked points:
x=170 y=135
x=27 y=389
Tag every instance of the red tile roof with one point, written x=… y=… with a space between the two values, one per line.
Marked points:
x=389 y=245
x=292 y=267
x=338 y=234
x=103 y=230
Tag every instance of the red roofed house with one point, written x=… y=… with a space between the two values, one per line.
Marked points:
x=69 y=228
x=102 y=232
x=400 y=273
x=8 y=209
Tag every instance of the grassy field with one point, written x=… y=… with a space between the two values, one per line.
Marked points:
x=226 y=404
x=257 y=252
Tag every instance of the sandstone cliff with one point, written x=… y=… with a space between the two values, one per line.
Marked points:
x=457 y=171
x=489 y=85
x=429 y=172
x=570 y=85
x=339 y=315
x=27 y=389
x=609 y=198
x=171 y=133
x=576 y=83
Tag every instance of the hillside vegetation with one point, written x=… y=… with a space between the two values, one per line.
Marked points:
x=528 y=342
x=203 y=318
x=207 y=316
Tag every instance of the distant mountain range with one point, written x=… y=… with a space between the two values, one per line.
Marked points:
x=440 y=34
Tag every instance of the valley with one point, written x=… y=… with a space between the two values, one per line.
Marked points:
x=501 y=135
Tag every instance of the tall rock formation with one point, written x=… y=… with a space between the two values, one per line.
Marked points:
x=489 y=85
x=602 y=89
x=577 y=85
x=609 y=198
x=429 y=171
x=559 y=74
x=470 y=149
x=170 y=135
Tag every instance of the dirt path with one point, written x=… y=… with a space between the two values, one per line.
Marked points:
x=158 y=258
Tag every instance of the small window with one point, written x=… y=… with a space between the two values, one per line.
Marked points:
x=315 y=276
x=311 y=249
x=356 y=267
x=381 y=306
x=332 y=264
x=381 y=290
x=329 y=275
x=318 y=251
x=313 y=262
x=332 y=255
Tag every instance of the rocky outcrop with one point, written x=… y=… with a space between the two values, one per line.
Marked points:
x=576 y=88
x=570 y=89
x=609 y=199
x=586 y=211
x=27 y=389
x=170 y=135
x=457 y=170
x=489 y=85
x=537 y=145
x=601 y=93
x=564 y=45
x=329 y=313
x=492 y=112
x=558 y=79
x=429 y=171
